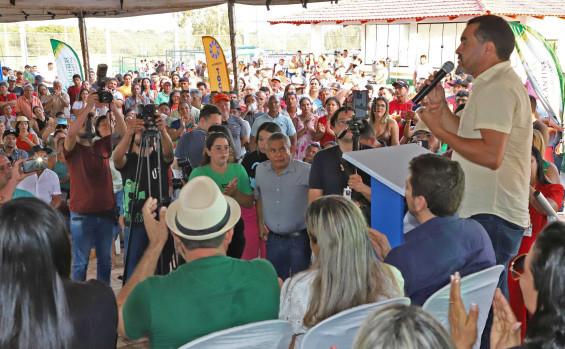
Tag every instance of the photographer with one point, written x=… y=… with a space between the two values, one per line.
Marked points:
x=330 y=174
x=135 y=194
x=92 y=201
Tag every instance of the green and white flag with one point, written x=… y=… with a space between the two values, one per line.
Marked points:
x=67 y=62
x=542 y=67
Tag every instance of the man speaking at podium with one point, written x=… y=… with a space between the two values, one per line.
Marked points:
x=493 y=138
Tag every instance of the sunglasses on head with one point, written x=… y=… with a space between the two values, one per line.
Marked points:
x=517 y=267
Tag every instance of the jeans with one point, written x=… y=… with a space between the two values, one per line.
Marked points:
x=88 y=231
x=137 y=244
x=288 y=256
x=506 y=238
x=134 y=249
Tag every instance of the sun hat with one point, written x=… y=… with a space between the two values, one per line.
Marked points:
x=202 y=212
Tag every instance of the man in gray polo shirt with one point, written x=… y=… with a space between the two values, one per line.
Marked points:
x=191 y=144
x=234 y=123
x=281 y=197
x=275 y=116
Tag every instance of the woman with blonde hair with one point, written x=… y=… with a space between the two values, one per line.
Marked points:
x=346 y=273
x=549 y=169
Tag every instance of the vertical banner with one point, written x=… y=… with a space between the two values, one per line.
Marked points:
x=67 y=62
x=217 y=69
x=542 y=67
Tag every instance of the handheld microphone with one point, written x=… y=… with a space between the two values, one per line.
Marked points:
x=551 y=214
x=445 y=69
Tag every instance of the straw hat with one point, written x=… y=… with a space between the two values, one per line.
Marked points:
x=202 y=212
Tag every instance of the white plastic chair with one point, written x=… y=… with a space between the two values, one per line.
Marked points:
x=270 y=334
x=340 y=330
x=476 y=288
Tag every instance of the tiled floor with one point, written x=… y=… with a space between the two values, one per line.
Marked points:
x=117 y=286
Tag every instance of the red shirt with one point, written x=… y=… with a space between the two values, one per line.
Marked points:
x=10 y=97
x=92 y=190
x=327 y=136
x=395 y=106
x=73 y=92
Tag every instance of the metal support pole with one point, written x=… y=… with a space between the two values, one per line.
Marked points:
x=84 y=45
x=231 y=16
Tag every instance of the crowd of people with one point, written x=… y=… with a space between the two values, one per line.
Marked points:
x=236 y=206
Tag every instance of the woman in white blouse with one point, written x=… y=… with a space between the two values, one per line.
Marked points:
x=346 y=273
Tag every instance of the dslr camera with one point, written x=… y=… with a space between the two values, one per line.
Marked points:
x=101 y=80
x=147 y=112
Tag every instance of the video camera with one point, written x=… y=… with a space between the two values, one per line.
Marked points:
x=186 y=170
x=101 y=80
x=147 y=112
x=360 y=104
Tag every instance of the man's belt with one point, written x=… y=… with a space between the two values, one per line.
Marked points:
x=293 y=234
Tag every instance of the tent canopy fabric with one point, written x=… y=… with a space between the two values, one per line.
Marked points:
x=33 y=10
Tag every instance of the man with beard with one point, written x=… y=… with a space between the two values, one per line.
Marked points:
x=92 y=201
x=135 y=194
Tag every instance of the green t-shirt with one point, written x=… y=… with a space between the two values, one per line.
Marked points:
x=203 y=296
x=20 y=193
x=223 y=179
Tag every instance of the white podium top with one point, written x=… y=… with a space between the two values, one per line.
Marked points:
x=387 y=165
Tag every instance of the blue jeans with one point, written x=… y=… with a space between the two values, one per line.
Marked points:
x=506 y=238
x=139 y=242
x=88 y=231
x=288 y=256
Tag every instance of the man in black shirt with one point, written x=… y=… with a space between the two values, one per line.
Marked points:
x=330 y=174
x=126 y=157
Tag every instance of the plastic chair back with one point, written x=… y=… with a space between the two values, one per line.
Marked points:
x=340 y=330
x=476 y=288
x=271 y=334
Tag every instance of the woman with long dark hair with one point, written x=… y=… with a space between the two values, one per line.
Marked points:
x=231 y=178
x=39 y=306
x=147 y=91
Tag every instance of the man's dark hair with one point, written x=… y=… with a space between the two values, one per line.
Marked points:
x=440 y=181
x=333 y=119
x=201 y=83
x=192 y=245
x=264 y=89
x=77 y=76
x=162 y=104
x=366 y=131
x=208 y=110
x=496 y=30
x=462 y=93
x=270 y=127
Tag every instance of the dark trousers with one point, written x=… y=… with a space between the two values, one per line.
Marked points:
x=237 y=245
x=288 y=255
x=506 y=238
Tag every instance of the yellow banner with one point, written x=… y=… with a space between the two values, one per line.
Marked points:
x=217 y=68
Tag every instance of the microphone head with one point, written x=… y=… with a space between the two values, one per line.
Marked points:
x=448 y=66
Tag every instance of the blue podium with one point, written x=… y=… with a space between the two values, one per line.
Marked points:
x=388 y=168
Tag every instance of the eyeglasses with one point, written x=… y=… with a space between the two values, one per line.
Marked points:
x=517 y=268
x=221 y=149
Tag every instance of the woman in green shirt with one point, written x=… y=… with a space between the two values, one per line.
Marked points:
x=232 y=180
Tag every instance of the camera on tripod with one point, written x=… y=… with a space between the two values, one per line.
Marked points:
x=147 y=112
x=186 y=170
x=360 y=104
x=101 y=80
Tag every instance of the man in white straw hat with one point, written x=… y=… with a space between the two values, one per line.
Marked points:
x=209 y=293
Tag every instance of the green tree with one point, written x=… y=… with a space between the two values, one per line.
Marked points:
x=211 y=21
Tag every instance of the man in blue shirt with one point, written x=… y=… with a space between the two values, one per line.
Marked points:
x=443 y=243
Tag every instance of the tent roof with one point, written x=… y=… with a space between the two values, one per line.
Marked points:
x=37 y=10
x=363 y=11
